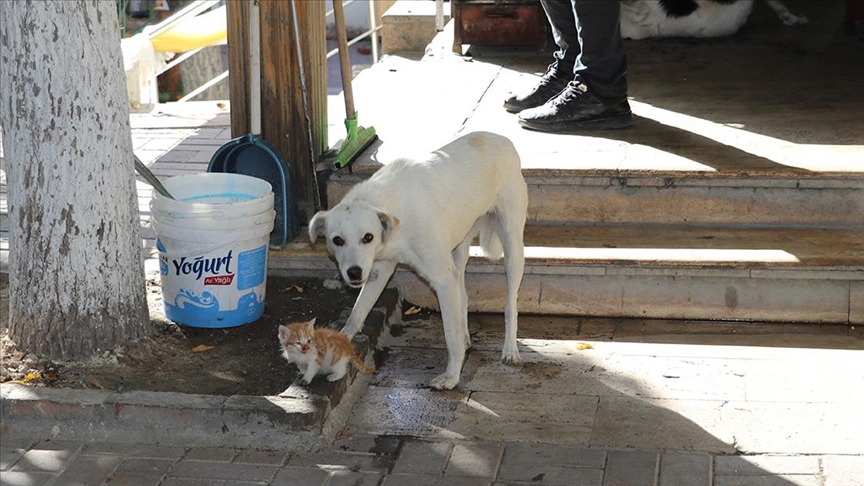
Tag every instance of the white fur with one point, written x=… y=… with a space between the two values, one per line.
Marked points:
x=641 y=19
x=425 y=213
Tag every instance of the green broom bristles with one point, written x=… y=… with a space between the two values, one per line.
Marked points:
x=356 y=141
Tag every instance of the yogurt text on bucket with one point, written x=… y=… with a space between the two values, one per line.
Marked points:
x=200 y=265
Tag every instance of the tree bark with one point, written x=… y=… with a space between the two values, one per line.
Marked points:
x=75 y=260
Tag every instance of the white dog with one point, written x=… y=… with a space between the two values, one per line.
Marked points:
x=641 y=19
x=425 y=213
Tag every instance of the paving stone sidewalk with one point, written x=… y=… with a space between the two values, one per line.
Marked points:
x=405 y=461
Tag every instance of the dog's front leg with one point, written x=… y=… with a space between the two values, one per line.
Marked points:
x=381 y=272
x=449 y=300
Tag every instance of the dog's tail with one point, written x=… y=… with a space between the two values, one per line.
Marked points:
x=490 y=243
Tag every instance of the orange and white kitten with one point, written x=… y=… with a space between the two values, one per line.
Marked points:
x=319 y=351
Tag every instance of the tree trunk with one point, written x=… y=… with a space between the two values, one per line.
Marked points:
x=75 y=261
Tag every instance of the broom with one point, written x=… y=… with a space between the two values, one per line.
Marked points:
x=358 y=138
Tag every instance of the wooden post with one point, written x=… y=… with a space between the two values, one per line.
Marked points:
x=283 y=120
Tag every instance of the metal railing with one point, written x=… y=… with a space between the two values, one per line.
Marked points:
x=203 y=5
x=373 y=29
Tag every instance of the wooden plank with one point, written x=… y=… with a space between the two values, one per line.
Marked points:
x=284 y=122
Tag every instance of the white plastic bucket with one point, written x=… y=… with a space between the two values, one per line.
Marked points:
x=212 y=243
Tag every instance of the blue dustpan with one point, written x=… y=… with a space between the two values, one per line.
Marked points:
x=251 y=155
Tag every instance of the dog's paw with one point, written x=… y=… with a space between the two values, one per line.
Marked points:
x=444 y=382
x=511 y=357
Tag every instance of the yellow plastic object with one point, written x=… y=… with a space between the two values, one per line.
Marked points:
x=204 y=30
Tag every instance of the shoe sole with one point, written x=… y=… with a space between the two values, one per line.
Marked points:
x=607 y=123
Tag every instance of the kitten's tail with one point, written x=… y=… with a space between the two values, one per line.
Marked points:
x=361 y=366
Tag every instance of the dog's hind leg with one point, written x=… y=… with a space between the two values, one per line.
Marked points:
x=379 y=276
x=511 y=229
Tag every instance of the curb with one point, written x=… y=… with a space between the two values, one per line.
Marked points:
x=301 y=418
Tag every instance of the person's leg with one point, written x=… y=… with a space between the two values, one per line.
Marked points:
x=563 y=23
x=602 y=62
x=597 y=96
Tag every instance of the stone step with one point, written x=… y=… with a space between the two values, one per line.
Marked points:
x=655 y=271
x=665 y=196
x=409 y=26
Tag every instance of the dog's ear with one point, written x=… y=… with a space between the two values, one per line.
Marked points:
x=390 y=224
x=316 y=225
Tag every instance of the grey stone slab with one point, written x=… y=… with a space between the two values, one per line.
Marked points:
x=140 y=472
x=631 y=468
x=370 y=444
x=12 y=450
x=297 y=476
x=412 y=367
x=425 y=480
x=422 y=457
x=765 y=464
x=170 y=481
x=564 y=369
x=261 y=457
x=685 y=425
x=684 y=469
x=30 y=478
x=819 y=428
x=405 y=411
x=352 y=478
x=767 y=480
x=44 y=460
x=477 y=460
x=136 y=450
x=552 y=464
x=89 y=470
x=215 y=454
x=840 y=380
x=338 y=461
x=558 y=419
x=517 y=455
x=207 y=470
x=843 y=470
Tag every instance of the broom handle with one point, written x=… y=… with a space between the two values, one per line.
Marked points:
x=344 y=63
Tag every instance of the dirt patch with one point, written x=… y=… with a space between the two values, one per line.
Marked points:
x=244 y=360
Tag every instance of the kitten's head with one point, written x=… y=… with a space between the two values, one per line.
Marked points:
x=298 y=336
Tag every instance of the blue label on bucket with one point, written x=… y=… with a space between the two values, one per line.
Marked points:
x=203 y=310
x=251 y=268
x=220 y=288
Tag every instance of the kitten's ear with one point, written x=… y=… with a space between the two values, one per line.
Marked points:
x=283 y=333
x=312 y=325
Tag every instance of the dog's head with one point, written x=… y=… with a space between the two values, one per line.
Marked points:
x=355 y=232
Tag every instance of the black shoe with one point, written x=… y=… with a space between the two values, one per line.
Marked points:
x=550 y=85
x=575 y=108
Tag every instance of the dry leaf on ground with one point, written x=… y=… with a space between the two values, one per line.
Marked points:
x=413 y=310
x=583 y=346
x=201 y=348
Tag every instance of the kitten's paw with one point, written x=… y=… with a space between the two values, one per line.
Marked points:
x=444 y=382
x=335 y=376
x=304 y=381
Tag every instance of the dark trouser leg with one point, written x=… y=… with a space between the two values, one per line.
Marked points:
x=563 y=23
x=602 y=62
